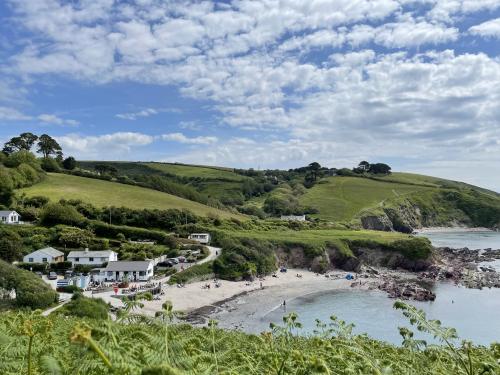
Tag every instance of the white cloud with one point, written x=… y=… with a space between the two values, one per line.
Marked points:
x=489 y=28
x=181 y=138
x=56 y=120
x=135 y=115
x=12 y=114
x=114 y=145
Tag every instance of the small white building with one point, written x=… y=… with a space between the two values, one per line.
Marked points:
x=9 y=217
x=203 y=238
x=127 y=270
x=293 y=217
x=47 y=255
x=92 y=258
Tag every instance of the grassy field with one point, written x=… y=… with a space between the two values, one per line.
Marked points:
x=343 y=198
x=320 y=236
x=195 y=171
x=103 y=193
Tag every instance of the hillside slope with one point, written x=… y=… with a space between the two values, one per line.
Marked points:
x=403 y=201
x=103 y=193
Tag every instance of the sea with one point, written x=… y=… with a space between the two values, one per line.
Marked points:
x=475 y=314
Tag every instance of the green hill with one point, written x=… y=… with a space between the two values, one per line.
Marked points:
x=103 y=193
x=402 y=200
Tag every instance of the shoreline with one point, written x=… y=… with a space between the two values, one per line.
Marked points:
x=198 y=302
x=452 y=229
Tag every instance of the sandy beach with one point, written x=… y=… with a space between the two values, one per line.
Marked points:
x=268 y=293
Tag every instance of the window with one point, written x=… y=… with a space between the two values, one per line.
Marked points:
x=91 y=259
x=31 y=260
x=142 y=273
x=44 y=260
x=77 y=259
x=4 y=218
x=110 y=273
x=104 y=259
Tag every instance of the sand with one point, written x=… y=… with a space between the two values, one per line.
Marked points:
x=198 y=301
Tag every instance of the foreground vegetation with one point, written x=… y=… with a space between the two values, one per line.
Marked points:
x=31 y=344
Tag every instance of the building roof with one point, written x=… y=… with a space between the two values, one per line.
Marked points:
x=50 y=251
x=4 y=213
x=140 y=265
x=93 y=254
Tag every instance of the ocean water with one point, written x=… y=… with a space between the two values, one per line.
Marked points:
x=475 y=314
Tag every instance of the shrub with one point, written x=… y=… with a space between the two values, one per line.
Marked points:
x=10 y=245
x=50 y=165
x=83 y=307
x=31 y=291
x=61 y=266
x=195 y=273
x=35 y=267
x=57 y=213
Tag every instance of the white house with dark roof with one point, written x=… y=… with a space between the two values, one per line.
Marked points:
x=47 y=255
x=9 y=217
x=127 y=270
x=92 y=258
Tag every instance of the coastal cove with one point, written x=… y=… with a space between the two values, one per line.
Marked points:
x=473 y=313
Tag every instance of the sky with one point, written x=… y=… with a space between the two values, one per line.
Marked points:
x=259 y=83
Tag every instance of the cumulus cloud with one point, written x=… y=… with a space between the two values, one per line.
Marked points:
x=329 y=81
x=489 y=28
x=12 y=114
x=181 y=138
x=56 y=120
x=115 y=144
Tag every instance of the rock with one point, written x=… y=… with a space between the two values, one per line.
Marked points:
x=377 y=223
x=407 y=291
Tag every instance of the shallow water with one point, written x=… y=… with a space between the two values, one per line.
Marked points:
x=475 y=314
x=458 y=239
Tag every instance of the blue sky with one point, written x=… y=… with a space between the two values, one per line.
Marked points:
x=261 y=83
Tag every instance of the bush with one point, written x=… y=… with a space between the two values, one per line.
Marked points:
x=35 y=267
x=11 y=245
x=31 y=291
x=57 y=213
x=50 y=165
x=83 y=307
x=61 y=266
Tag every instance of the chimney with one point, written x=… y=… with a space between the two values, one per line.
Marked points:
x=86 y=249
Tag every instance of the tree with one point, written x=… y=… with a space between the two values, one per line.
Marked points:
x=380 y=168
x=104 y=168
x=24 y=142
x=48 y=146
x=11 y=245
x=69 y=163
x=314 y=169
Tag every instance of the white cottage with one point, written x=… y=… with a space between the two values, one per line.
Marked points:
x=9 y=217
x=93 y=258
x=127 y=270
x=203 y=238
x=47 y=255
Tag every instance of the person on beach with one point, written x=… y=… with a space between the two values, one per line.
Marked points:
x=284 y=305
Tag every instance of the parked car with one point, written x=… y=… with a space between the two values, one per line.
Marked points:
x=173 y=260
x=68 y=274
x=39 y=274
x=52 y=276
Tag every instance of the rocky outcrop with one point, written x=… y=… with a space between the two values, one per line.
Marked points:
x=381 y=222
x=407 y=291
